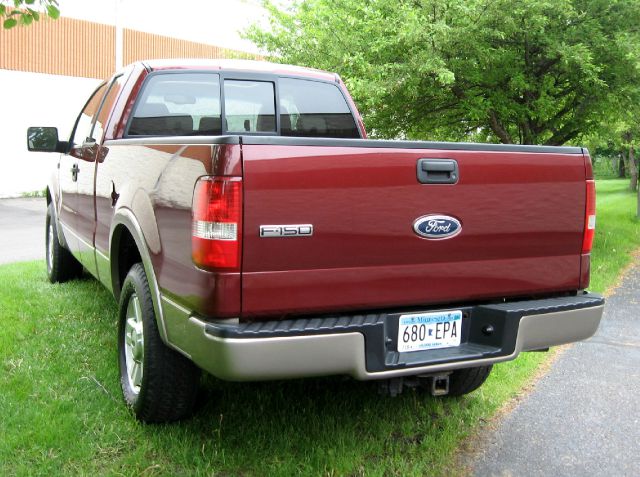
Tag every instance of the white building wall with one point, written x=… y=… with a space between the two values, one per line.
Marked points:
x=33 y=99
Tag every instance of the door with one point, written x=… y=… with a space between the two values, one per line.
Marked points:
x=76 y=178
x=93 y=153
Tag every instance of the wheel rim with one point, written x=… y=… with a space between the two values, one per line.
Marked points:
x=50 y=247
x=134 y=343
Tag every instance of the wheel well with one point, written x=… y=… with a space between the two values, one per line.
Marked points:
x=48 y=196
x=127 y=255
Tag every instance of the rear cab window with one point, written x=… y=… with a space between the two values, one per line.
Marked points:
x=249 y=106
x=180 y=104
x=201 y=103
x=314 y=109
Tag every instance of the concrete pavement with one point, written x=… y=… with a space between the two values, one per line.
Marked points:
x=22 y=226
x=583 y=417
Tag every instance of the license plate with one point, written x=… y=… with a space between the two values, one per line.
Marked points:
x=420 y=331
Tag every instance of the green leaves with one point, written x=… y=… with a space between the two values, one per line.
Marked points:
x=527 y=71
x=23 y=14
x=9 y=23
x=53 y=11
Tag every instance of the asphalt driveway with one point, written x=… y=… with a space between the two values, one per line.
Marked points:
x=583 y=417
x=22 y=229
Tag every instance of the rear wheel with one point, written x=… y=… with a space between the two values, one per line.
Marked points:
x=464 y=381
x=159 y=384
x=61 y=264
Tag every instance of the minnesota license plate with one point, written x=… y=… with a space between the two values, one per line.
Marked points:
x=420 y=331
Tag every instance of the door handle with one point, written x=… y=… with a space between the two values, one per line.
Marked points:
x=74 y=172
x=437 y=171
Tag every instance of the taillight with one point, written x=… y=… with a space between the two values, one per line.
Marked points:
x=590 y=217
x=216 y=239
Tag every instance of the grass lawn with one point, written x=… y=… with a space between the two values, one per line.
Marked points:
x=617 y=232
x=62 y=412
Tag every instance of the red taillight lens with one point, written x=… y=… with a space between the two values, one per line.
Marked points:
x=590 y=217
x=216 y=237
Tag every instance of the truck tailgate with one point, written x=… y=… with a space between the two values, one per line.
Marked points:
x=521 y=216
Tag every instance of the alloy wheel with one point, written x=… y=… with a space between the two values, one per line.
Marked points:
x=134 y=343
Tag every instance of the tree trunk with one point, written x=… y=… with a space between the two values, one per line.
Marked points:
x=498 y=129
x=633 y=170
x=622 y=171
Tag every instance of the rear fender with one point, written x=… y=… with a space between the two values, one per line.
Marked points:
x=125 y=220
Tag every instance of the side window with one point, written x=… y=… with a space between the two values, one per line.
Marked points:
x=314 y=109
x=249 y=106
x=179 y=104
x=84 y=122
x=105 y=110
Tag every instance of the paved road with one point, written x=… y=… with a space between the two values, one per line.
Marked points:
x=22 y=229
x=583 y=418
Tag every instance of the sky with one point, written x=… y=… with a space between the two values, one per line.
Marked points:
x=214 y=22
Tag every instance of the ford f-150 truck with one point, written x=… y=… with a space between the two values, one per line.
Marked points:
x=247 y=227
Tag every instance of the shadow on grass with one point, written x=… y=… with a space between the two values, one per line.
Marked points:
x=64 y=336
x=310 y=426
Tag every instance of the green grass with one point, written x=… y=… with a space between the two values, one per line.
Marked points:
x=617 y=232
x=62 y=413
x=605 y=167
x=35 y=193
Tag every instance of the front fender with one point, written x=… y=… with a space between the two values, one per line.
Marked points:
x=54 y=197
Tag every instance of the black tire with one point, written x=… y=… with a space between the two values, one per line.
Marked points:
x=167 y=388
x=62 y=266
x=464 y=381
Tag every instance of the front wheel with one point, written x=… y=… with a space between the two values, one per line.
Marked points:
x=159 y=384
x=61 y=264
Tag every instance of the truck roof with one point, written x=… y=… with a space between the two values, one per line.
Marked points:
x=238 y=65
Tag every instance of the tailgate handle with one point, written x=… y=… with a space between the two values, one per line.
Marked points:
x=437 y=171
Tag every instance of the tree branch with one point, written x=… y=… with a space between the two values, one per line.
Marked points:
x=562 y=137
x=498 y=129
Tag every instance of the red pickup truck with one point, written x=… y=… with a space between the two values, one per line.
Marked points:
x=246 y=226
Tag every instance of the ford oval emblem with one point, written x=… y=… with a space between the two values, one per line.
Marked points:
x=437 y=227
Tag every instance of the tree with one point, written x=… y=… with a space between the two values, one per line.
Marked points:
x=25 y=12
x=513 y=71
x=621 y=137
x=629 y=139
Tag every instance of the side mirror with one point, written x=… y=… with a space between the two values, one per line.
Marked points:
x=44 y=139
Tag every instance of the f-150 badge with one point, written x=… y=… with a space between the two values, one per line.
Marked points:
x=294 y=230
x=437 y=227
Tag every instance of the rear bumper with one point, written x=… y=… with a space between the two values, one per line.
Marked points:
x=363 y=346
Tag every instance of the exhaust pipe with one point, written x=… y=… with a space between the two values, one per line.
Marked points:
x=391 y=387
